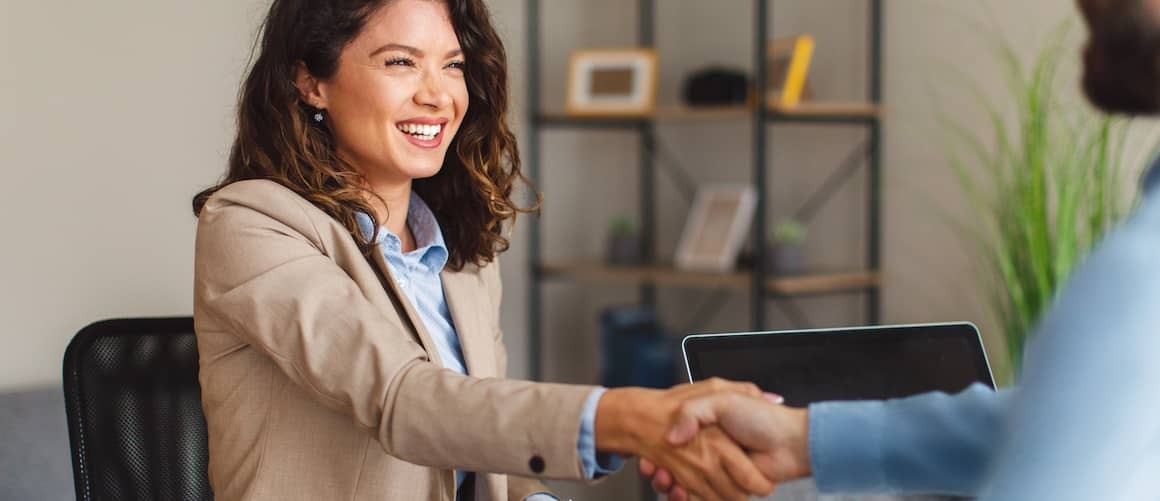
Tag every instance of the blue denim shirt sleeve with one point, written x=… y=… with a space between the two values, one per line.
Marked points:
x=926 y=443
x=1085 y=424
x=596 y=464
x=1082 y=425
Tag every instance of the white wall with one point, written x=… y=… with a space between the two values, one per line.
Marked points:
x=115 y=113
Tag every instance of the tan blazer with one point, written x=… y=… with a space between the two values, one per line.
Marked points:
x=319 y=380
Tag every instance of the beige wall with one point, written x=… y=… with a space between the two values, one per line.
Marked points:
x=116 y=112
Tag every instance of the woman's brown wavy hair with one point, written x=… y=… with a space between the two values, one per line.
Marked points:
x=471 y=195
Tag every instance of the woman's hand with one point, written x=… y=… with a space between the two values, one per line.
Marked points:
x=635 y=421
x=775 y=435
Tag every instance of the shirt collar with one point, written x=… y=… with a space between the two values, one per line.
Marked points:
x=429 y=242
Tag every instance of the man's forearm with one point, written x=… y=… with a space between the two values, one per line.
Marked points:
x=931 y=443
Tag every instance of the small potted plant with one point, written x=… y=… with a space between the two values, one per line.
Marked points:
x=787 y=248
x=623 y=242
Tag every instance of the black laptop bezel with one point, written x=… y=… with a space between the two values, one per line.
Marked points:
x=698 y=343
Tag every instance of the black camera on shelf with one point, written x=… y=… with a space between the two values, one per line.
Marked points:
x=716 y=86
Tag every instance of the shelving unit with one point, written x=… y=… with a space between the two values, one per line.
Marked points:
x=815 y=283
x=805 y=112
x=761 y=286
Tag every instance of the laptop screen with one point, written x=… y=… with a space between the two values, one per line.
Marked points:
x=845 y=364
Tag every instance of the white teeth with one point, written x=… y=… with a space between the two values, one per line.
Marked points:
x=426 y=132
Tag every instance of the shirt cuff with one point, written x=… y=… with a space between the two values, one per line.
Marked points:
x=845 y=442
x=541 y=496
x=596 y=464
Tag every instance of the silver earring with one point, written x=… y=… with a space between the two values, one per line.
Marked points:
x=318 y=116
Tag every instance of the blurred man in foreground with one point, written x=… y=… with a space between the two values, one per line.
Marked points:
x=1085 y=422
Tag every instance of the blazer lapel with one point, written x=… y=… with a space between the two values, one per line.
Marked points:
x=466 y=298
x=401 y=299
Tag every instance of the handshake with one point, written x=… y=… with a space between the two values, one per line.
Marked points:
x=712 y=439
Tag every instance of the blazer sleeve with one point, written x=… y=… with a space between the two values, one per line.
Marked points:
x=260 y=276
x=518 y=487
x=930 y=443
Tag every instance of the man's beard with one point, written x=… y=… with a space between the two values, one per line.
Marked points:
x=1122 y=67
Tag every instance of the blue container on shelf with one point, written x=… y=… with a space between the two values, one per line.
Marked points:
x=635 y=350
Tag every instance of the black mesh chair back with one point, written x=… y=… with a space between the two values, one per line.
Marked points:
x=135 y=423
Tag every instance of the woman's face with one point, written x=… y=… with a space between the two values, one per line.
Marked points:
x=399 y=94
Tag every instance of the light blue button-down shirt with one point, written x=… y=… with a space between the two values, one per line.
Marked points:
x=1084 y=423
x=416 y=273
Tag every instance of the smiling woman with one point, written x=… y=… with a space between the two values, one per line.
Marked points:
x=346 y=298
x=371 y=82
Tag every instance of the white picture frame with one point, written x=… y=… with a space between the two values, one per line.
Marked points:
x=615 y=82
x=717 y=227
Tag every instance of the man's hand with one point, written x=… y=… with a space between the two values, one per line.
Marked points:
x=775 y=435
x=634 y=421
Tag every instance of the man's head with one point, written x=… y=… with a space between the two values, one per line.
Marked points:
x=1122 y=56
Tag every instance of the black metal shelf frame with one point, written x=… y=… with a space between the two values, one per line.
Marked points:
x=761 y=116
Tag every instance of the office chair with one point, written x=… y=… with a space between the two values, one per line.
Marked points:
x=135 y=423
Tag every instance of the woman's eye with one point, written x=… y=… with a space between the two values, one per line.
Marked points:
x=399 y=61
x=459 y=65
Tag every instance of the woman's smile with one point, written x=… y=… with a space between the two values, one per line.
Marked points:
x=426 y=133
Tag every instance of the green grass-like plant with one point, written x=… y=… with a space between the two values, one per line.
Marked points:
x=1043 y=182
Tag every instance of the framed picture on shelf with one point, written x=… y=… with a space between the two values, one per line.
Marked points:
x=717 y=227
x=788 y=68
x=612 y=82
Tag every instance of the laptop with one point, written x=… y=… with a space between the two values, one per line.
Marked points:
x=860 y=363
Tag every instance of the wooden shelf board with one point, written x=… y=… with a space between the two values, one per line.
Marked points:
x=692 y=113
x=562 y=116
x=810 y=110
x=823 y=282
x=594 y=272
x=803 y=284
x=822 y=109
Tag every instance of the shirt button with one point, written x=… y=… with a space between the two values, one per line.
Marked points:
x=536 y=464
